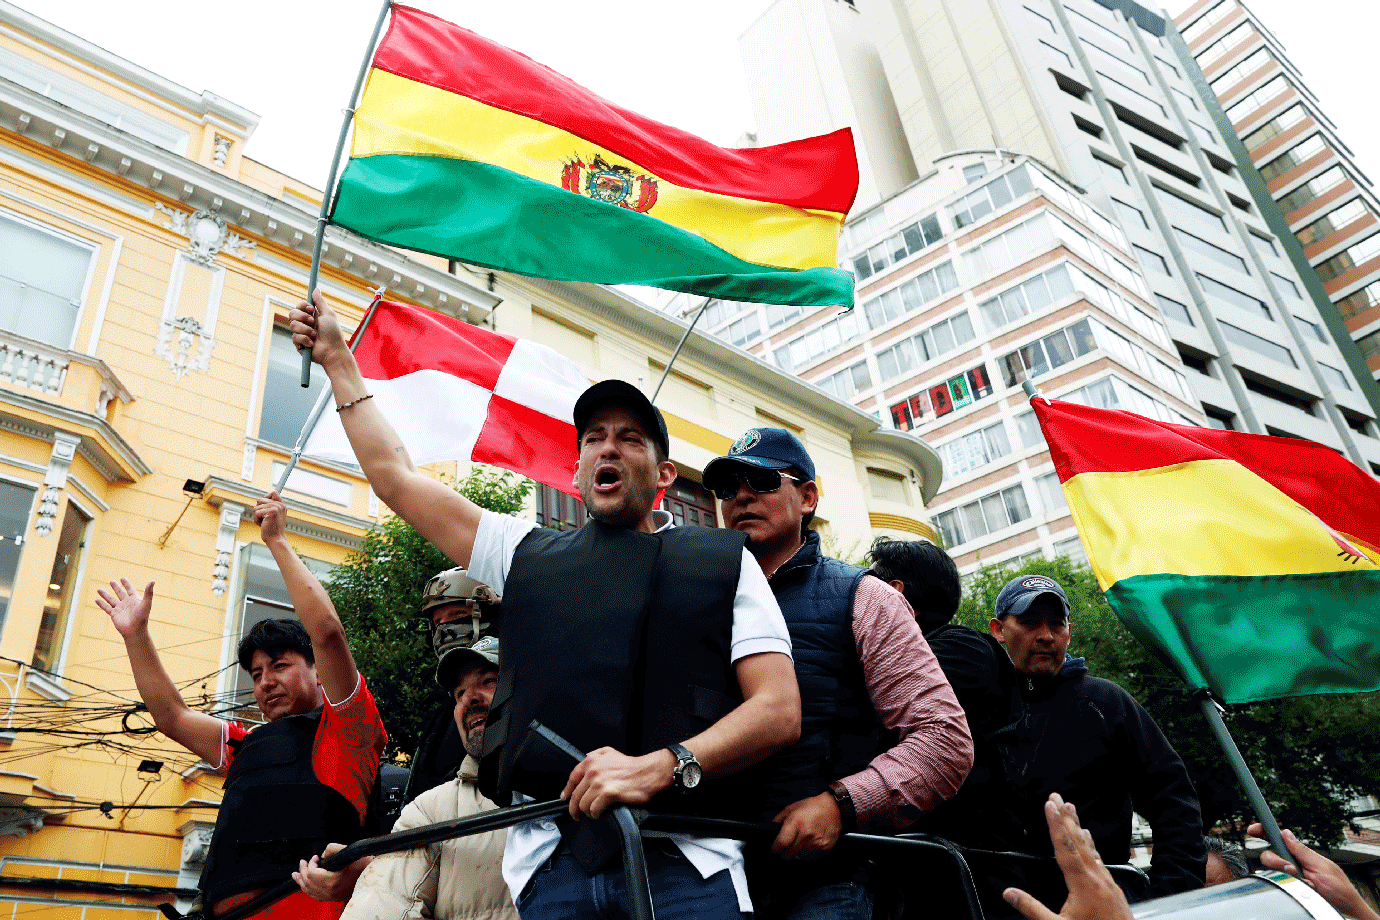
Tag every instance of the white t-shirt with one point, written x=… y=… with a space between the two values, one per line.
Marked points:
x=757 y=627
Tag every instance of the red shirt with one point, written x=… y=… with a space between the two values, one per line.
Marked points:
x=345 y=757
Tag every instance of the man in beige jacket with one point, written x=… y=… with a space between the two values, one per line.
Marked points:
x=461 y=878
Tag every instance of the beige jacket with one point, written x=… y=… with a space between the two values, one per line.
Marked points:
x=460 y=879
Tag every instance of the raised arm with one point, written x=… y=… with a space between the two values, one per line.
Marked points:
x=767 y=720
x=335 y=667
x=439 y=513
x=129 y=611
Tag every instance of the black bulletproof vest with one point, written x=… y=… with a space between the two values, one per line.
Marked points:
x=613 y=637
x=274 y=812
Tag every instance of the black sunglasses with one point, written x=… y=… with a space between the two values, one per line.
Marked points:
x=758 y=480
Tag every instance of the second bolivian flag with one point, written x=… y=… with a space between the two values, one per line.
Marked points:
x=1248 y=562
x=466 y=149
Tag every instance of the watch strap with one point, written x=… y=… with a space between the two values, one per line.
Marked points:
x=847 y=812
x=683 y=757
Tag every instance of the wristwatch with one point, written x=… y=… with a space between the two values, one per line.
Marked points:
x=688 y=770
x=848 y=814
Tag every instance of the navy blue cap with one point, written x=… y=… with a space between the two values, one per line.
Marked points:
x=767 y=448
x=619 y=394
x=1023 y=590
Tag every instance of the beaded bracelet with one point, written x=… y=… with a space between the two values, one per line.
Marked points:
x=353 y=401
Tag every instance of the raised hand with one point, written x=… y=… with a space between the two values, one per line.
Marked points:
x=314 y=325
x=127 y=608
x=270 y=513
x=1092 y=893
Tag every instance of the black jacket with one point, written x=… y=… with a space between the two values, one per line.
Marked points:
x=1088 y=740
x=983 y=813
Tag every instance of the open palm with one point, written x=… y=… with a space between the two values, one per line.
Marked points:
x=128 y=608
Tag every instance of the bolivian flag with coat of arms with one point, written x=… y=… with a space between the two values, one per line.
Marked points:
x=1251 y=564
x=466 y=149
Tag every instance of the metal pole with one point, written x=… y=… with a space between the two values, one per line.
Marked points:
x=1212 y=711
x=676 y=354
x=328 y=194
x=324 y=398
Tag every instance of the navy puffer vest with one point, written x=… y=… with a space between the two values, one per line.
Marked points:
x=839 y=730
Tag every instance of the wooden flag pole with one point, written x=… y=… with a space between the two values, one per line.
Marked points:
x=328 y=195
x=325 y=397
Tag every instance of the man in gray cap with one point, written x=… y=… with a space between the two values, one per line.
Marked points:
x=460 y=609
x=1090 y=741
x=460 y=878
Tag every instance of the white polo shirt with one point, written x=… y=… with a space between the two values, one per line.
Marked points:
x=757 y=627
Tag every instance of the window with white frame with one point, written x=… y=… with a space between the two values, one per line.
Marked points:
x=16 y=503
x=974 y=450
x=1238 y=299
x=1026 y=298
x=929 y=344
x=62 y=589
x=1048 y=352
x=43 y=275
x=1275 y=126
x=1314 y=188
x=1332 y=221
x=910 y=295
x=847 y=383
x=818 y=341
x=1257 y=99
x=1292 y=157
x=1348 y=258
x=987 y=515
x=1051 y=495
x=1000 y=252
x=993 y=196
x=1211 y=250
x=1258 y=344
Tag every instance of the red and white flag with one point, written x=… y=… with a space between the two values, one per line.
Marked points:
x=454 y=391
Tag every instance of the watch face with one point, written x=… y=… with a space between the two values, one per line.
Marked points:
x=691 y=775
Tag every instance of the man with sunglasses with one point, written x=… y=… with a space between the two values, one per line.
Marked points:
x=867 y=677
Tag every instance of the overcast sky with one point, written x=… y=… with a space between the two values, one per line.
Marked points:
x=293 y=61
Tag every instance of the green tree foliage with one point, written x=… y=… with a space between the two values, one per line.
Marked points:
x=378 y=591
x=1310 y=755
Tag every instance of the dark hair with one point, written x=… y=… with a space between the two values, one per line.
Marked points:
x=273 y=637
x=929 y=575
x=1230 y=853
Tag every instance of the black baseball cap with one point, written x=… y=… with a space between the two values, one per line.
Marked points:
x=1023 y=590
x=765 y=448
x=619 y=394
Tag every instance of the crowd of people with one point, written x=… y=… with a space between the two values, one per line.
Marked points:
x=733 y=673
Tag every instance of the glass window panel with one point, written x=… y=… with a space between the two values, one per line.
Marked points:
x=862 y=267
x=1058 y=349
x=41 y=281
x=898 y=248
x=1060 y=284
x=1036 y=293
x=1001 y=195
x=930 y=227
x=962 y=326
x=994 y=512
x=875 y=315
x=1028 y=430
x=924 y=345
x=910 y=297
x=913 y=238
x=947 y=278
x=1016 y=507
x=878 y=256
x=1033 y=355
x=943 y=338
x=1082 y=335
x=974 y=524
x=16 y=502
x=927 y=286
x=992 y=314
x=286 y=403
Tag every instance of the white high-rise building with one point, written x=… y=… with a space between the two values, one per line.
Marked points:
x=1202 y=316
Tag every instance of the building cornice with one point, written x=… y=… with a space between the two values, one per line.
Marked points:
x=101 y=445
x=304 y=519
x=127 y=161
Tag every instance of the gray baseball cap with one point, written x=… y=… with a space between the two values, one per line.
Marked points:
x=454 y=662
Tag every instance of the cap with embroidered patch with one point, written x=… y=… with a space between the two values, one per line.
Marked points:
x=766 y=448
x=1023 y=590
x=457 y=659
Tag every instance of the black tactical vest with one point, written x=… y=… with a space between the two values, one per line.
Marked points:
x=613 y=637
x=274 y=812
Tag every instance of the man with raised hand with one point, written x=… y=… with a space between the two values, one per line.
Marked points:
x=866 y=676
x=1088 y=740
x=659 y=651
x=300 y=780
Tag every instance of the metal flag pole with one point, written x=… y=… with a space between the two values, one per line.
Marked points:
x=328 y=196
x=325 y=397
x=1212 y=711
x=681 y=344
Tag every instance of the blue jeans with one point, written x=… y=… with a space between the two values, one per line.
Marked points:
x=839 y=901
x=562 y=891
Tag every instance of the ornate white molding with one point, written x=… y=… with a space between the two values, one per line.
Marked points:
x=207 y=232
x=189 y=331
x=222 y=151
x=59 y=462
x=251 y=452
x=196 y=843
x=195 y=336
x=231 y=514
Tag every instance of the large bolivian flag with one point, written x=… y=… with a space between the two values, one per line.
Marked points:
x=1248 y=563
x=469 y=150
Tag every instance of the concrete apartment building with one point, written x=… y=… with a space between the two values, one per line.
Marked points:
x=1325 y=200
x=146 y=270
x=1095 y=103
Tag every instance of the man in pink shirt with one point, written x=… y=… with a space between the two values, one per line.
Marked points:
x=883 y=739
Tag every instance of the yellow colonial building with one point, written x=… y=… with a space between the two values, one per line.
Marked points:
x=148 y=396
